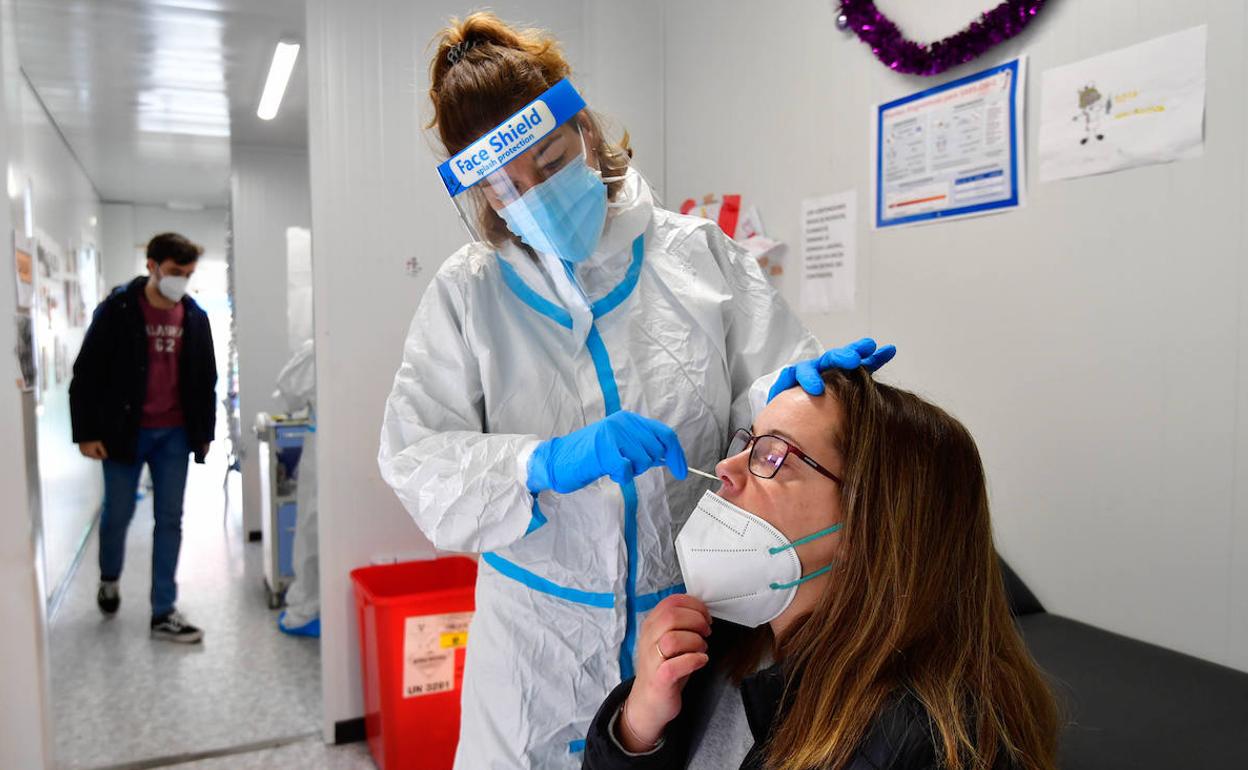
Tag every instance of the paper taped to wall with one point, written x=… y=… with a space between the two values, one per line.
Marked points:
x=829 y=253
x=1132 y=107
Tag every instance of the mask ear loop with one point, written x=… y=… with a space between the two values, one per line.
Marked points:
x=794 y=544
x=799 y=581
x=605 y=179
x=804 y=540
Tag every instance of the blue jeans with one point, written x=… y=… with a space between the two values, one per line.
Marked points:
x=166 y=451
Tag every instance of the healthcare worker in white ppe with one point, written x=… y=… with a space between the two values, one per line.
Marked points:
x=583 y=339
x=296 y=385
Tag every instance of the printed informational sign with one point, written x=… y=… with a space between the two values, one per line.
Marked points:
x=429 y=646
x=829 y=230
x=1132 y=107
x=955 y=150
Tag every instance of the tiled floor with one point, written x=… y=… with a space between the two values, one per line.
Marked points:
x=120 y=698
x=308 y=754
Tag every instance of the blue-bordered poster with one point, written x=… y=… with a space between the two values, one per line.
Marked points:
x=955 y=150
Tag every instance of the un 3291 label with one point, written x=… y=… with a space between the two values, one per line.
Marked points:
x=429 y=646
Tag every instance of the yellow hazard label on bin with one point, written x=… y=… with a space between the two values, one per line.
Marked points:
x=429 y=652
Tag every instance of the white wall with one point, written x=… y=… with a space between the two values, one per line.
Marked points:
x=269 y=193
x=66 y=202
x=118 y=244
x=25 y=721
x=377 y=202
x=1095 y=342
x=125 y=229
x=66 y=210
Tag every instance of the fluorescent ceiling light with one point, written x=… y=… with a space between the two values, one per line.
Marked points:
x=184 y=206
x=279 y=75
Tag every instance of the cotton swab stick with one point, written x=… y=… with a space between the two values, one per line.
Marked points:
x=704 y=474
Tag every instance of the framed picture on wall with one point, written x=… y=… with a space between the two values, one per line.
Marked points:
x=58 y=361
x=75 y=308
x=25 y=351
x=952 y=151
x=89 y=278
x=45 y=361
x=48 y=264
x=24 y=271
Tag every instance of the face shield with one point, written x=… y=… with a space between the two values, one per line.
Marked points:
x=535 y=175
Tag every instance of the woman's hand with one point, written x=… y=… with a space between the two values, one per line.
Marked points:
x=671 y=646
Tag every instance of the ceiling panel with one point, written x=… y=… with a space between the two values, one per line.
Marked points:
x=150 y=93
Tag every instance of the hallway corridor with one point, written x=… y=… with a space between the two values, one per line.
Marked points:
x=124 y=700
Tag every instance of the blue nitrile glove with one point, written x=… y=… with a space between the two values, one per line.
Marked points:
x=621 y=446
x=809 y=374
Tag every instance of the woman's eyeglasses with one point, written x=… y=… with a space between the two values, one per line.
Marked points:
x=769 y=453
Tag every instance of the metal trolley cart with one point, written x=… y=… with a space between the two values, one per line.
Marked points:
x=281 y=445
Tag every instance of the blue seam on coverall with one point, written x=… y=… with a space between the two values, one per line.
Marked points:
x=611 y=400
x=605 y=600
x=531 y=298
x=647 y=602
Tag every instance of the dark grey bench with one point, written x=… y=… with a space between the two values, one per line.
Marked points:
x=1130 y=705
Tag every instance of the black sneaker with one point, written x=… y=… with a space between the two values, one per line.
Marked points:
x=108 y=597
x=174 y=628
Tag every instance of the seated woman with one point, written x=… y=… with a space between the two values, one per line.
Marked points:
x=852 y=549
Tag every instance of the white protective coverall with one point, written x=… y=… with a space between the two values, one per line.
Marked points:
x=669 y=319
x=296 y=384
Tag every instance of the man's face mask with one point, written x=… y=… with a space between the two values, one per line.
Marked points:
x=742 y=567
x=172 y=287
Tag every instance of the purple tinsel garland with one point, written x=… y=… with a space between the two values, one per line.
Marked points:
x=891 y=47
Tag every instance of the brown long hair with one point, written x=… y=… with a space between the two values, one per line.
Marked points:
x=916 y=605
x=483 y=70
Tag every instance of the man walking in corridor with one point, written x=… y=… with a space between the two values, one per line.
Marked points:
x=144 y=393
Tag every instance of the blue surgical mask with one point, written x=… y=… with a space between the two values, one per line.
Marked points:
x=562 y=216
